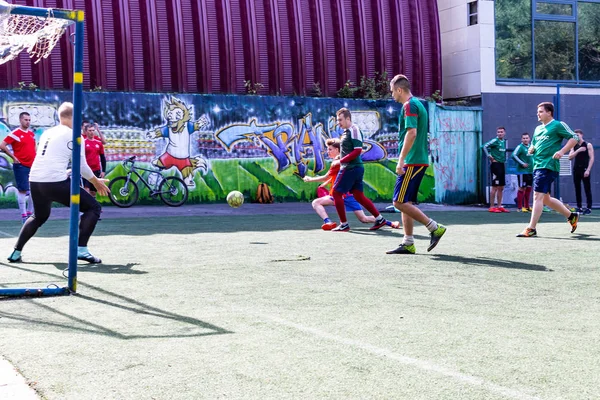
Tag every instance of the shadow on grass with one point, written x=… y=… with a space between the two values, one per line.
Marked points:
x=575 y=236
x=115 y=301
x=490 y=262
x=98 y=268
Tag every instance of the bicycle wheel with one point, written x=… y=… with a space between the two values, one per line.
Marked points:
x=123 y=192
x=173 y=191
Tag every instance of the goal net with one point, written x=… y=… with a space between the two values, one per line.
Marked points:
x=36 y=35
x=36 y=31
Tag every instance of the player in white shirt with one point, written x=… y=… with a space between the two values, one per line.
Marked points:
x=49 y=181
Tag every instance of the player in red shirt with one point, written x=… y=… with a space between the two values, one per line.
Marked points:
x=94 y=155
x=333 y=150
x=22 y=142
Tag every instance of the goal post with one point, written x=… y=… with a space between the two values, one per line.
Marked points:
x=36 y=31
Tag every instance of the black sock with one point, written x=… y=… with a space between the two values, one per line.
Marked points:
x=573 y=215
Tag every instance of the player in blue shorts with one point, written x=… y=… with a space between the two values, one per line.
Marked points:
x=333 y=150
x=412 y=163
x=350 y=177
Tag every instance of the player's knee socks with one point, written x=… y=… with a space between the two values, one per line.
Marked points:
x=431 y=225
x=29 y=201
x=21 y=200
x=527 y=196
x=366 y=203
x=87 y=223
x=520 y=196
x=340 y=207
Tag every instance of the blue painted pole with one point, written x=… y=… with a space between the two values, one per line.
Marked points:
x=38 y=12
x=33 y=292
x=76 y=161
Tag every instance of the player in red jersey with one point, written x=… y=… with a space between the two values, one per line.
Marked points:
x=94 y=155
x=333 y=150
x=22 y=142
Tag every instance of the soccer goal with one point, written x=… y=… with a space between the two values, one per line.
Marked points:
x=36 y=31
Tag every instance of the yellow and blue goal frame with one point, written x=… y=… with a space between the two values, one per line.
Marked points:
x=77 y=17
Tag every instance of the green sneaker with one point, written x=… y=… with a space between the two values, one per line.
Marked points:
x=436 y=236
x=403 y=249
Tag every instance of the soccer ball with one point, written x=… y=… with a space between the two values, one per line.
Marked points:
x=235 y=199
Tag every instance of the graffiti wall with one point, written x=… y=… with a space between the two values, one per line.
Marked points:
x=219 y=143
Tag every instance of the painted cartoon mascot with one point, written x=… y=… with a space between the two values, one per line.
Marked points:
x=178 y=132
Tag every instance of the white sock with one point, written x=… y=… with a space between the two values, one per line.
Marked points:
x=379 y=218
x=82 y=250
x=431 y=225
x=21 y=199
x=29 y=204
x=408 y=240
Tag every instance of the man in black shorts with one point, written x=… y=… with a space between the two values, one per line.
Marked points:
x=49 y=181
x=495 y=150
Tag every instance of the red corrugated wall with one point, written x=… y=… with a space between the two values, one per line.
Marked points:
x=215 y=46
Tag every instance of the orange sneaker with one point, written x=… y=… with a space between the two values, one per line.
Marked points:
x=328 y=226
x=502 y=209
x=494 y=210
x=528 y=232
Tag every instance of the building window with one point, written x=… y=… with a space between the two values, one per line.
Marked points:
x=548 y=41
x=472 y=7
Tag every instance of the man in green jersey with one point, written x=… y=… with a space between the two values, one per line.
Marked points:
x=412 y=163
x=547 y=151
x=495 y=150
x=524 y=172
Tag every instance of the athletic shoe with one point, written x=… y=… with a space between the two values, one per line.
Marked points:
x=587 y=211
x=525 y=210
x=573 y=222
x=341 y=228
x=15 y=256
x=494 y=210
x=529 y=209
x=396 y=224
x=24 y=218
x=528 y=232
x=328 y=226
x=546 y=209
x=436 y=236
x=403 y=249
x=89 y=258
x=502 y=209
x=378 y=224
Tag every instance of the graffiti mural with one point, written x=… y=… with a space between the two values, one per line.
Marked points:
x=219 y=143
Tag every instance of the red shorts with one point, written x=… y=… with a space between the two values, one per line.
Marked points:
x=169 y=161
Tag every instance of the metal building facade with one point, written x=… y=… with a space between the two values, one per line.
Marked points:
x=215 y=46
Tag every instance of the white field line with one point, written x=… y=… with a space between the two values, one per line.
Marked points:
x=12 y=385
x=421 y=364
x=6 y=234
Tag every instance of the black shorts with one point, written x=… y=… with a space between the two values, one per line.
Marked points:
x=87 y=184
x=498 y=174
x=525 y=180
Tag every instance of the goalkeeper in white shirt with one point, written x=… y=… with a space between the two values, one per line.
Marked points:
x=49 y=180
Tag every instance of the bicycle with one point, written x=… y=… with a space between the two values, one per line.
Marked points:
x=124 y=191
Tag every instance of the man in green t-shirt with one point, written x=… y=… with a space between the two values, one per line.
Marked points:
x=547 y=151
x=412 y=163
x=524 y=172
x=495 y=150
